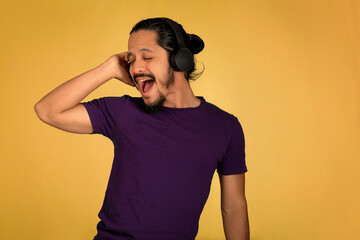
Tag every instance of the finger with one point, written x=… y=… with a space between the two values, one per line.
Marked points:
x=126 y=56
x=133 y=83
x=128 y=80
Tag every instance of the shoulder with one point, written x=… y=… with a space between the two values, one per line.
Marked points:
x=220 y=114
x=114 y=100
x=225 y=122
x=115 y=104
x=108 y=104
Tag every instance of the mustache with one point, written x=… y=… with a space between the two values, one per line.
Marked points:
x=149 y=75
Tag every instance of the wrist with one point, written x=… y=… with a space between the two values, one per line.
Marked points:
x=107 y=68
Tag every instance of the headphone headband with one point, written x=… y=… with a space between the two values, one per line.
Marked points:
x=181 y=59
x=178 y=33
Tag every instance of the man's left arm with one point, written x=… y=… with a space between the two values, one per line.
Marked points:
x=234 y=207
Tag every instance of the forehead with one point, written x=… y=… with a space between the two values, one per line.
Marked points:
x=143 y=39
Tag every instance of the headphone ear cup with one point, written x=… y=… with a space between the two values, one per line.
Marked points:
x=182 y=60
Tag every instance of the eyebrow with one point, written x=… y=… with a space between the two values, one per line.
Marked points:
x=141 y=50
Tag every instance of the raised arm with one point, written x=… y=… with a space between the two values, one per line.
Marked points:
x=234 y=207
x=61 y=108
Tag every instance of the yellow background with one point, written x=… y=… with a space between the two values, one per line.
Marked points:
x=288 y=69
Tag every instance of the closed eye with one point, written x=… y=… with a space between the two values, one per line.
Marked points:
x=146 y=59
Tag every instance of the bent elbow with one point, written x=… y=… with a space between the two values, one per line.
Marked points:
x=41 y=112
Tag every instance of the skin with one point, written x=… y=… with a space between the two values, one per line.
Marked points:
x=147 y=57
x=234 y=207
x=62 y=108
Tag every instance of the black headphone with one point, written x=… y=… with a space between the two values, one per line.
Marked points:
x=182 y=59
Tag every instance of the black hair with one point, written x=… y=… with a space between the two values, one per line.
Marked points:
x=166 y=38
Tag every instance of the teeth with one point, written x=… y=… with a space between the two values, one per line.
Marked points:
x=145 y=80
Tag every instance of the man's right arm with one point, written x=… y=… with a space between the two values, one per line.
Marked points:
x=62 y=108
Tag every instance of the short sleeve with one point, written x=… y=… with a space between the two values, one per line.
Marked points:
x=103 y=113
x=233 y=161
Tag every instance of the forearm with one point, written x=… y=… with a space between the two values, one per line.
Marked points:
x=236 y=223
x=70 y=93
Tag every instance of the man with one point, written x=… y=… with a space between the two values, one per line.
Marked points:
x=168 y=143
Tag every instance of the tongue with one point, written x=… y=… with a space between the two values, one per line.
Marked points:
x=148 y=85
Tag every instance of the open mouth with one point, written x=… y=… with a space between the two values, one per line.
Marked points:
x=146 y=84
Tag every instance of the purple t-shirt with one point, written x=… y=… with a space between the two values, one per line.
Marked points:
x=163 y=165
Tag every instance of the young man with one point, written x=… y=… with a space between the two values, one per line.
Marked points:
x=168 y=143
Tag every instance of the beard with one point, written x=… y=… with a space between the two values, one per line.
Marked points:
x=158 y=103
x=155 y=106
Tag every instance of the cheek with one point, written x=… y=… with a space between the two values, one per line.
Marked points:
x=160 y=68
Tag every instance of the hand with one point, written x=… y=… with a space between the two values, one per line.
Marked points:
x=120 y=68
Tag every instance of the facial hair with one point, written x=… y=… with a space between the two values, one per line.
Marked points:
x=158 y=104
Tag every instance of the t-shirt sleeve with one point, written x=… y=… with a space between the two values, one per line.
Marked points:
x=103 y=113
x=233 y=161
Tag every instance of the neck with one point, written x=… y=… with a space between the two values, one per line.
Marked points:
x=181 y=94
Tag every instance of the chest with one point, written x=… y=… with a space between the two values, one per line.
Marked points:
x=179 y=143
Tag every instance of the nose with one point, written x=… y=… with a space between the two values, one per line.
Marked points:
x=137 y=66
